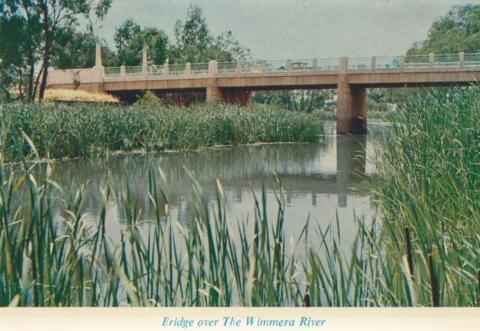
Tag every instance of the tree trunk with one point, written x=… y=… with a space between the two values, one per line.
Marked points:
x=46 y=51
x=31 y=74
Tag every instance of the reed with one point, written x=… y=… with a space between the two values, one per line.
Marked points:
x=428 y=187
x=89 y=130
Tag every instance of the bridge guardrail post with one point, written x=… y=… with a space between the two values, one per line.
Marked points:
x=98 y=55
x=166 y=70
x=402 y=62
x=238 y=68
x=123 y=71
x=263 y=67
x=374 y=63
x=144 y=61
x=315 y=64
x=188 y=68
x=343 y=65
x=461 y=59
x=431 y=59
x=289 y=65
x=212 y=68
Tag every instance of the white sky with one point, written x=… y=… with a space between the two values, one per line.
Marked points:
x=297 y=29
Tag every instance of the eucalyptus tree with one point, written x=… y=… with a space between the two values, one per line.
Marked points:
x=30 y=27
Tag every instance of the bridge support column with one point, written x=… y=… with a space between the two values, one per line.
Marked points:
x=214 y=93
x=351 y=109
x=351 y=104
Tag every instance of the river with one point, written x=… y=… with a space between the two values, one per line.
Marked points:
x=319 y=180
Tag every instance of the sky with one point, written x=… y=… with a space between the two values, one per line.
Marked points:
x=296 y=29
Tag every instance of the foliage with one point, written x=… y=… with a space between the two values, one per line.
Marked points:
x=130 y=39
x=75 y=49
x=87 y=130
x=30 y=29
x=195 y=43
x=428 y=187
x=458 y=31
x=298 y=100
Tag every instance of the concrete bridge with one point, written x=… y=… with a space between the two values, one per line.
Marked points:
x=234 y=82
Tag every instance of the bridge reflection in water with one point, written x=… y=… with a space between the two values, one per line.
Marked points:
x=315 y=178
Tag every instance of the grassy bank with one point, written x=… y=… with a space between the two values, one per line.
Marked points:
x=59 y=131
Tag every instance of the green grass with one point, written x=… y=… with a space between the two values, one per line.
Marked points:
x=81 y=130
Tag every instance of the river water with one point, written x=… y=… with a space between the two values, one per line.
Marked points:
x=319 y=180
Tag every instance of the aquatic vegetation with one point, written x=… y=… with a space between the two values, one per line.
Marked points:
x=429 y=190
x=87 y=130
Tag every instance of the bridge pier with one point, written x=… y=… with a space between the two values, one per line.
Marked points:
x=351 y=104
x=351 y=109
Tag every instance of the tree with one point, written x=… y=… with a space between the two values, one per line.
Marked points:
x=194 y=43
x=297 y=100
x=20 y=36
x=457 y=31
x=41 y=22
x=75 y=49
x=130 y=38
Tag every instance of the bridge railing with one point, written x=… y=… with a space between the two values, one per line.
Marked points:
x=297 y=65
x=300 y=65
x=472 y=59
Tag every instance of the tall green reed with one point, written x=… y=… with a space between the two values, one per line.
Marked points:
x=82 y=130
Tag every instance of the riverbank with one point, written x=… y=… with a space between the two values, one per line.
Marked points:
x=71 y=131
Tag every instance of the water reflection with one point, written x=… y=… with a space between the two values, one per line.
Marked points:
x=351 y=164
x=319 y=181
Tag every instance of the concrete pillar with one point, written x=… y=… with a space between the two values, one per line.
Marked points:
x=98 y=55
x=461 y=59
x=212 y=68
x=144 y=60
x=123 y=71
x=188 y=68
x=431 y=59
x=351 y=104
x=214 y=93
x=374 y=63
x=166 y=69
